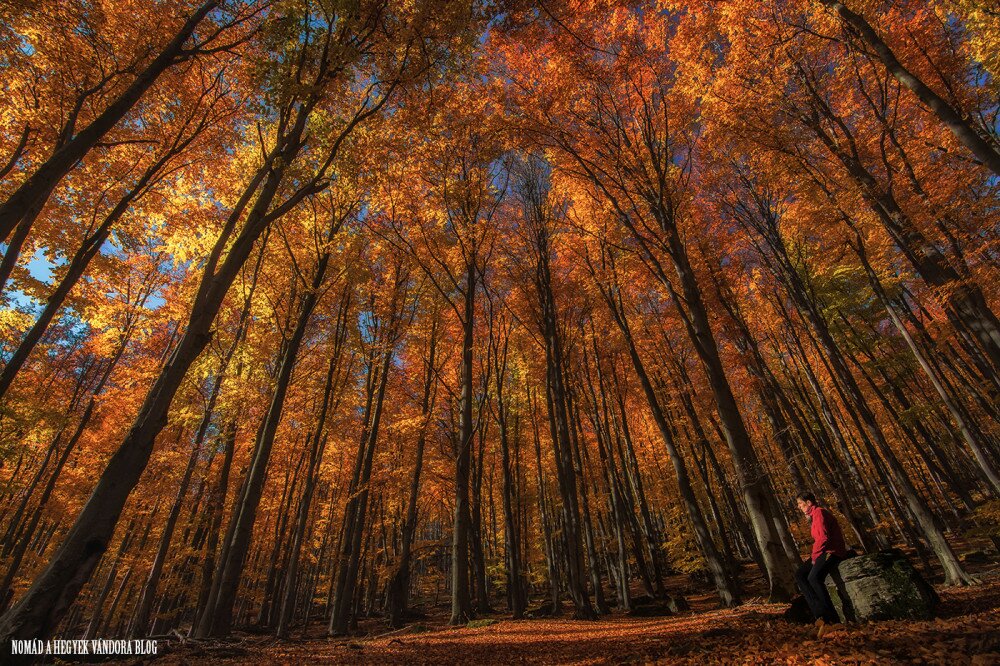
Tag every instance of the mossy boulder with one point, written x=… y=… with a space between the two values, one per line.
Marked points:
x=880 y=586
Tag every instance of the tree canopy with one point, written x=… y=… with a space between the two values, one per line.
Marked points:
x=316 y=308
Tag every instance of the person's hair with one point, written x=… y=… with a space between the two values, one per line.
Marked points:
x=806 y=497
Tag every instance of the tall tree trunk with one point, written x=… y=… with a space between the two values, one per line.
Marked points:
x=331 y=392
x=244 y=519
x=145 y=607
x=749 y=471
x=102 y=595
x=969 y=435
x=476 y=540
x=216 y=510
x=355 y=515
x=551 y=556
x=724 y=584
x=399 y=584
x=559 y=427
x=588 y=528
x=461 y=602
x=512 y=548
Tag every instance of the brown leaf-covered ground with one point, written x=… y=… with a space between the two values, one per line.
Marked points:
x=967 y=632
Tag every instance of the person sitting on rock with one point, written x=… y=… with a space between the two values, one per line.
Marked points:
x=828 y=549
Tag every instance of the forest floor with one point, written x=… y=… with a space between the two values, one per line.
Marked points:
x=966 y=631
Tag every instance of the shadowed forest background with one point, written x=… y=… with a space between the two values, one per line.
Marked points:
x=322 y=311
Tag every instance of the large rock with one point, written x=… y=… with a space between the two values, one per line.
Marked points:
x=880 y=586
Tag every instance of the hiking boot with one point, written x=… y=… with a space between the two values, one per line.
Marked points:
x=828 y=630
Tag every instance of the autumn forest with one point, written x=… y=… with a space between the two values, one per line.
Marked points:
x=322 y=317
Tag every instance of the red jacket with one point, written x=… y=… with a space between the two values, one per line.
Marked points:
x=826 y=534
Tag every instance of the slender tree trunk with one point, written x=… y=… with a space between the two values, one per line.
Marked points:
x=512 y=547
x=551 y=561
x=970 y=437
x=588 y=528
x=756 y=491
x=331 y=391
x=476 y=540
x=145 y=607
x=355 y=516
x=102 y=595
x=244 y=519
x=271 y=590
x=724 y=584
x=399 y=585
x=560 y=432
x=461 y=603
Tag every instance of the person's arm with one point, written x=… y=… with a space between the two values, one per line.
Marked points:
x=821 y=531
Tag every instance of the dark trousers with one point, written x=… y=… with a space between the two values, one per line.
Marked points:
x=810 y=577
